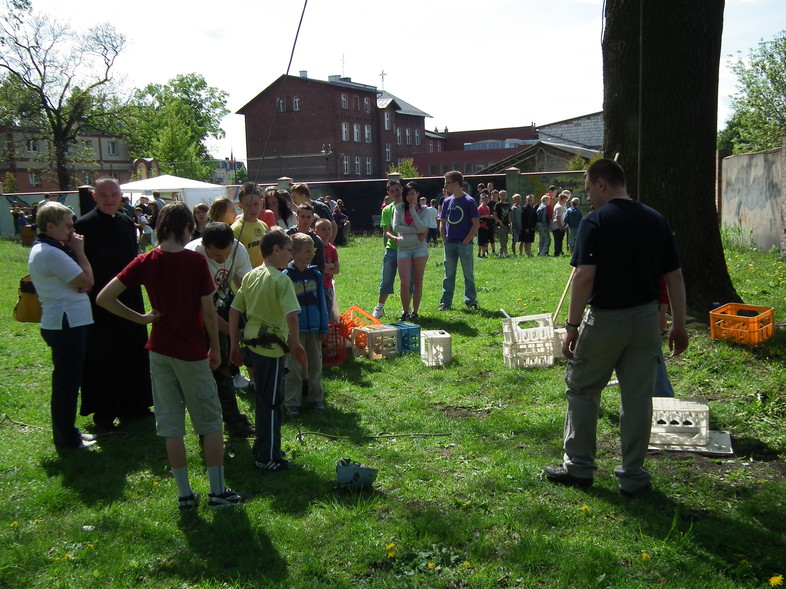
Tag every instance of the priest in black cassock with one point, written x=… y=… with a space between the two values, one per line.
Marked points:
x=116 y=382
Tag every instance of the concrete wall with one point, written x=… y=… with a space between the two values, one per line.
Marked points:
x=753 y=197
x=586 y=130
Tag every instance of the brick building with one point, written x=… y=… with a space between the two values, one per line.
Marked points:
x=28 y=158
x=320 y=130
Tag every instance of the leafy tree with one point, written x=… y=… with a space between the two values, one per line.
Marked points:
x=9 y=183
x=577 y=163
x=240 y=176
x=760 y=102
x=174 y=147
x=186 y=101
x=730 y=137
x=407 y=169
x=663 y=66
x=56 y=80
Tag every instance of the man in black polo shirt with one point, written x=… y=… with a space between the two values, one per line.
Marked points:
x=622 y=249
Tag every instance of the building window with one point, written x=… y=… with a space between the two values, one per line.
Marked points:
x=417 y=136
x=387 y=121
x=398 y=136
x=32 y=146
x=89 y=178
x=281 y=105
x=111 y=148
x=87 y=144
x=296 y=103
x=409 y=137
x=344 y=102
x=367 y=104
x=398 y=162
x=345 y=131
x=368 y=166
x=368 y=133
x=388 y=152
x=356 y=103
x=357 y=165
x=356 y=132
x=345 y=161
x=34 y=178
x=439 y=146
x=431 y=146
x=115 y=175
x=479 y=166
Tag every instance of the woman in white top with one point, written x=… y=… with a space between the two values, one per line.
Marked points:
x=285 y=218
x=62 y=276
x=409 y=224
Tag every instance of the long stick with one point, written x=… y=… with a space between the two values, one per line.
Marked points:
x=564 y=294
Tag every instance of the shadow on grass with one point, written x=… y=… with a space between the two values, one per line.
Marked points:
x=226 y=547
x=100 y=475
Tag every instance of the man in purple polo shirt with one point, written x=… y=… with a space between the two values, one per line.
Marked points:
x=459 y=222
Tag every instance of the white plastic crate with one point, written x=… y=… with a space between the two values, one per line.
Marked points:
x=435 y=347
x=375 y=341
x=559 y=335
x=528 y=328
x=528 y=354
x=683 y=422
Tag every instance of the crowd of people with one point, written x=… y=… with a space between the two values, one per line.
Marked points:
x=255 y=289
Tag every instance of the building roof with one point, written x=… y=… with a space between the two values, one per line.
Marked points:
x=384 y=98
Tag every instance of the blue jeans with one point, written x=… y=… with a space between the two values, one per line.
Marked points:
x=662 y=382
x=68 y=359
x=389 y=269
x=455 y=251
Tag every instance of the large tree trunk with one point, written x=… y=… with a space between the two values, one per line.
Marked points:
x=660 y=115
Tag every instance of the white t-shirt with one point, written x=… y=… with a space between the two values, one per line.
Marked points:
x=242 y=264
x=51 y=270
x=430 y=217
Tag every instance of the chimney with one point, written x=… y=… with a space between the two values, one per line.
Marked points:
x=304 y=73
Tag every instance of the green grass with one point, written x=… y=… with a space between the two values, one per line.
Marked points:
x=468 y=509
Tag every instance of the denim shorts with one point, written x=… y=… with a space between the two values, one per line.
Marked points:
x=419 y=251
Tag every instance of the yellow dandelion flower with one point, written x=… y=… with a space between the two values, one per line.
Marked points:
x=68 y=556
x=390 y=546
x=90 y=546
x=585 y=508
x=155 y=483
x=36 y=521
x=392 y=554
x=14 y=524
x=776 y=580
x=744 y=563
x=645 y=556
x=431 y=565
x=466 y=564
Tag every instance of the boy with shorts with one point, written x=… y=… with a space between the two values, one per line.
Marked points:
x=268 y=299
x=180 y=289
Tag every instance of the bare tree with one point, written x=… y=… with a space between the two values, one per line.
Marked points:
x=660 y=114
x=63 y=78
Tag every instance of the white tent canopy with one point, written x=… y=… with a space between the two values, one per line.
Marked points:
x=192 y=192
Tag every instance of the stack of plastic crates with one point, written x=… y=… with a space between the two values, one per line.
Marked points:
x=375 y=341
x=528 y=341
x=355 y=317
x=408 y=337
x=334 y=348
x=680 y=422
x=435 y=348
x=742 y=324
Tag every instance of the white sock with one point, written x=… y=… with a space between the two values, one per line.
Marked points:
x=181 y=480
x=215 y=475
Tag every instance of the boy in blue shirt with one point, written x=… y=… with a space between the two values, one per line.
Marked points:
x=313 y=326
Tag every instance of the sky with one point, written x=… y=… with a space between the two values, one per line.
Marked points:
x=469 y=64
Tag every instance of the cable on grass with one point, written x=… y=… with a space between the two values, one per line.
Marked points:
x=6 y=417
x=301 y=434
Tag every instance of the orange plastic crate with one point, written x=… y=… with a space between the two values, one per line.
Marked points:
x=742 y=324
x=334 y=348
x=356 y=317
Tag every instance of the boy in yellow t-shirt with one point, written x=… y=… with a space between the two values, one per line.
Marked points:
x=268 y=299
x=248 y=229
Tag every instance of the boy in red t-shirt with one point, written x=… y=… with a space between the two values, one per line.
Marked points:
x=180 y=289
x=323 y=228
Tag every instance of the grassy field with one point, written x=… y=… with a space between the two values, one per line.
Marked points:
x=465 y=509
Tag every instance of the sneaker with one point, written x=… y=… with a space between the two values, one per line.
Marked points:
x=559 y=476
x=241 y=429
x=188 y=502
x=473 y=306
x=293 y=411
x=272 y=465
x=632 y=494
x=226 y=499
x=240 y=381
x=318 y=406
x=378 y=312
x=405 y=316
x=413 y=317
x=443 y=307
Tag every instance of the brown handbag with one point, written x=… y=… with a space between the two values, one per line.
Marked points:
x=28 y=307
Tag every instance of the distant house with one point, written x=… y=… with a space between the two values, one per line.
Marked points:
x=224 y=170
x=27 y=157
x=328 y=130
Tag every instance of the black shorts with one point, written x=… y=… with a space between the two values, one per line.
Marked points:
x=483 y=236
